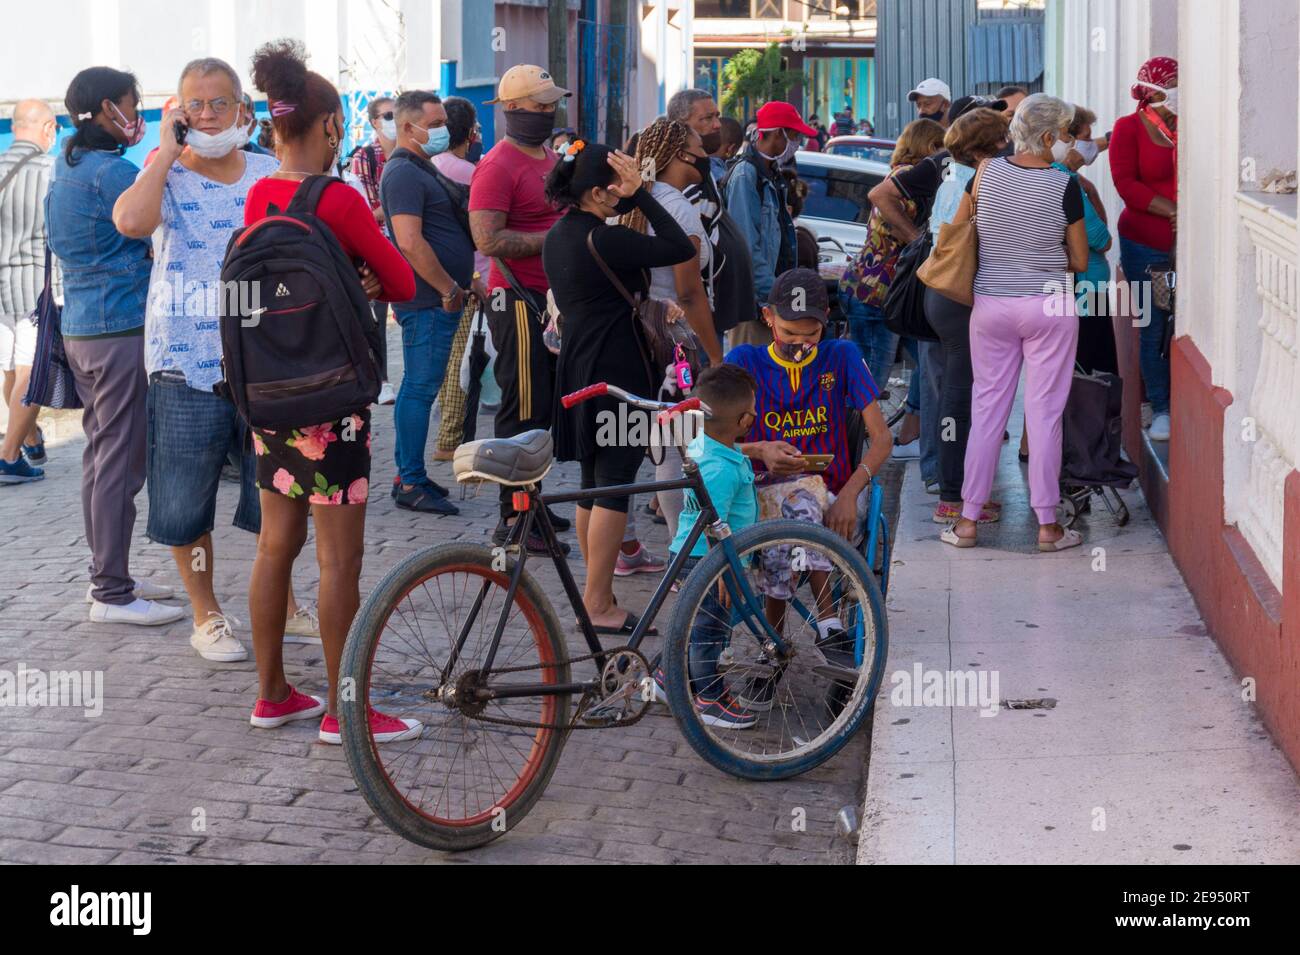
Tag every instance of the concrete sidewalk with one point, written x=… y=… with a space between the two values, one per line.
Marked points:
x=1150 y=754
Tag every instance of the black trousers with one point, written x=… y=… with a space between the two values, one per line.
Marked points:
x=524 y=369
x=951 y=321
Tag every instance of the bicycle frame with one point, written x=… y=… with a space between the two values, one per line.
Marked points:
x=533 y=514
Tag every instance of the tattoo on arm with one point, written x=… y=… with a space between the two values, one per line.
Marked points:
x=494 y=239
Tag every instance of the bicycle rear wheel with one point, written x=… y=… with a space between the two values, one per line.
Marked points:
x=465 y=780
x=808 y=701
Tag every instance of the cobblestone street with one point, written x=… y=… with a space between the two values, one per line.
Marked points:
x=174 y=738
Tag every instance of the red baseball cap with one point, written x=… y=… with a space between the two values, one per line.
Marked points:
x=779 y=115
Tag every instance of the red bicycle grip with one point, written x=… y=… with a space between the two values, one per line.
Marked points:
x=690 y=404
x=578 y=397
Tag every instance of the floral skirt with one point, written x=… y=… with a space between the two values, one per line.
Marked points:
x=328 y=463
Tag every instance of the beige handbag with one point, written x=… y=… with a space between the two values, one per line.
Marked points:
x=950 y=269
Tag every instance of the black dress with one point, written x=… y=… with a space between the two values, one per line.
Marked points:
x=601 y=339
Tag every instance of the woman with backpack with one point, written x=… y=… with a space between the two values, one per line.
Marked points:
x=322 y=466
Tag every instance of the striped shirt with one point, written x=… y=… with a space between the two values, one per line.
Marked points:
x=1021 y=215
x=22 y=229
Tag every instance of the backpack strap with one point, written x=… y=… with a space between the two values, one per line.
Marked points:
x=307 y=196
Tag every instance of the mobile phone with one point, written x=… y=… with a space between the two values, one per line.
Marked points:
x=816 y=462
x=180 y=130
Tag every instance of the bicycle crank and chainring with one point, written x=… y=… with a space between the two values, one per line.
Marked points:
x=626 y=688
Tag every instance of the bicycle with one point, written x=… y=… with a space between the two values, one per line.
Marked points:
x=463 y=638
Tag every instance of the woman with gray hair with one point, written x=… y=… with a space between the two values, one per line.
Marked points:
x=1032 y=238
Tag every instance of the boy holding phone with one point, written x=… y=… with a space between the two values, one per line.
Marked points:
x=807 y=387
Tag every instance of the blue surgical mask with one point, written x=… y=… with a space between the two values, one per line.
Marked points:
x=437 y=142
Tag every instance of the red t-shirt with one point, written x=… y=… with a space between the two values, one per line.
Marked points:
x=345 y=211
x=509 y=181
x=1142 y=169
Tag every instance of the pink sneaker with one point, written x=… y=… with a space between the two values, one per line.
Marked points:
x=298 y=706
x=641 y=561
x=383 y=728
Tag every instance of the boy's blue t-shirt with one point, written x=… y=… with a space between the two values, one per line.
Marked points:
x=729 y=478
x=806 y=403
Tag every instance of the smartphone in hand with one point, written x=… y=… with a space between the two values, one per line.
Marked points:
x=181 y=131
x=816 y=462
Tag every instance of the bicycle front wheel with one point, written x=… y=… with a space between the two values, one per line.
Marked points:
x=763 y=713
x=418 y=649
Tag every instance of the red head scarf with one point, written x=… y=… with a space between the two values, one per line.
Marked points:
x=1160 y=70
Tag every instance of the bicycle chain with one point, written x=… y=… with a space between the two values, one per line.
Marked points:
x=583 y=703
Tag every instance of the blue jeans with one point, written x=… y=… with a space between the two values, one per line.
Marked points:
x=191 y=432
x=1134 y=258
x=929 y=372
x=710 y=633
x=426 y=345
x=876 y=342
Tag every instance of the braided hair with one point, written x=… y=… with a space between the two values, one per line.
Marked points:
x=657 y=146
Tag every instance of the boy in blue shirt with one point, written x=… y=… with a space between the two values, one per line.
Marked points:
x=728 y=391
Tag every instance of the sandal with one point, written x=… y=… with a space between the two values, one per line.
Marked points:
x=1069 y=538
x=948 y=513
x=625 y=629
x=949 y=535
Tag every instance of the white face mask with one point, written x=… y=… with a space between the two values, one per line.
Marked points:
x=1170 y=102
x=1087 y=149
x=1060 y=149
x=216 y=145
x=388 y=129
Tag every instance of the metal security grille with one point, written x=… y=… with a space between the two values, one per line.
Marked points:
x=603 y=82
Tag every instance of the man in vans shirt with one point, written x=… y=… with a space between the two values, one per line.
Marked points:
x=193 y=196
x=423 y=221
x=509 y=217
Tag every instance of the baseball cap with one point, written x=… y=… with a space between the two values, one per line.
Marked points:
x=965 y=104
x=779 y=115
x=930 y=87
x=528 y=82
x=800 y=293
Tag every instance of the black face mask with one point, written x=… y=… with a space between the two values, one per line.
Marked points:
x=475 y=151
x=529 y=129
x=703 y=167
x=712 y=142
x=937 y=117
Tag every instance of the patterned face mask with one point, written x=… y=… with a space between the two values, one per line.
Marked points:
x=132 y=129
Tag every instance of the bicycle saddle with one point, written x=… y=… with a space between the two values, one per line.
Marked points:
x=523 y=459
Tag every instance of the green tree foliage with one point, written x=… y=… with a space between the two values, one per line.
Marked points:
x=755 y=77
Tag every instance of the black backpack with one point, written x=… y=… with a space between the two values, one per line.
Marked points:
x=306 y=352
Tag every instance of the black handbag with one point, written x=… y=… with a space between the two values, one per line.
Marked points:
x=904 y=305
x=52 y=384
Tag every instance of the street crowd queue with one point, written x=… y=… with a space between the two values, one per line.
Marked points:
x=555 y=243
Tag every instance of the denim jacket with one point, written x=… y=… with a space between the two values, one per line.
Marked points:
x=757 y=204
x=105 y=274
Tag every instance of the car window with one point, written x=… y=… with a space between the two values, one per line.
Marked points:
x=837 y=193
x=861 y=151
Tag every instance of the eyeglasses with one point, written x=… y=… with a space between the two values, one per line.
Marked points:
x=220 y=106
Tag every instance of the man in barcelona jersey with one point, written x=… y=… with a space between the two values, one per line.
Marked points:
x=807 y=388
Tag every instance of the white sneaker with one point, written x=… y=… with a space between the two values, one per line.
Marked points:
x=907 y=452
x=1159 y=430
x=144 y=590
x=387 y=395
x=142 y=613
x=303 y=626
x=215 y=640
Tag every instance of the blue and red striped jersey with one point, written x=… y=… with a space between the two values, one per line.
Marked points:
x=806 y=403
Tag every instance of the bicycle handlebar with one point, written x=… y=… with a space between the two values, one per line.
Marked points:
x=665 y=409
x=690 y=404
x=578 y=397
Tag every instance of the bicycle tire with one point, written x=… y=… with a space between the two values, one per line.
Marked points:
x=363 y=756
x=705 y=576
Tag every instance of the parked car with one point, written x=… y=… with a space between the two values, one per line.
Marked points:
x=861 y=147
x=837 y=207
